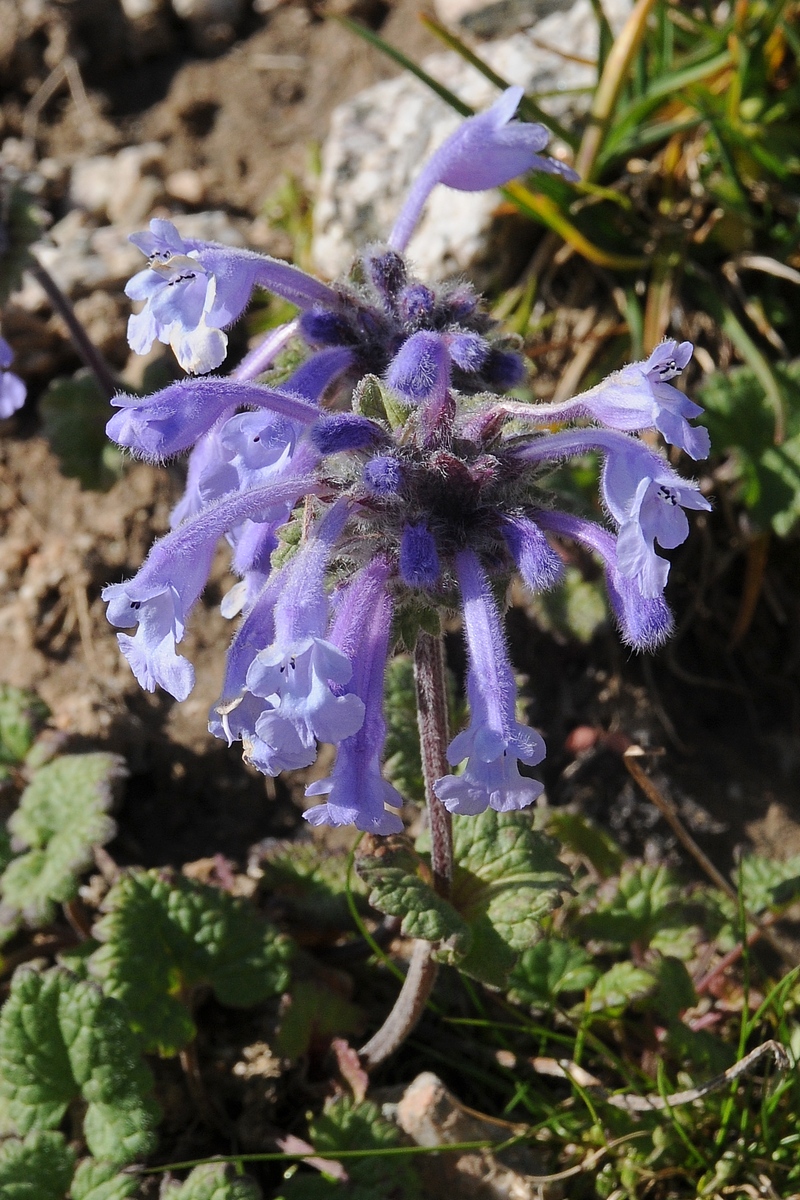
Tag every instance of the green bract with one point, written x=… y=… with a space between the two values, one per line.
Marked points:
x=165 y=935
x=60 y=1040
x=62 y=814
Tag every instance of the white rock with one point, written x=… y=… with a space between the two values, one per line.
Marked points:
x=186 y=185
x=379 y=139
x=123 y=187
x=138 y=183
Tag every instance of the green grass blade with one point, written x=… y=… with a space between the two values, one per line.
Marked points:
x=408 y=64
x=528 y=107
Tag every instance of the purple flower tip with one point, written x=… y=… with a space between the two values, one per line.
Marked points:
x=421 y=368
x=346 y=431
x=383 y=475
x=321 y=327
x=537 y=562
x=504 y=369
x=12 y=389
x=417 y=303
x=468 y=351
x=419 y=560
x=387 y=270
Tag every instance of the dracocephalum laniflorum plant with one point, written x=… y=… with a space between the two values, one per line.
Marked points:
x=388 y=480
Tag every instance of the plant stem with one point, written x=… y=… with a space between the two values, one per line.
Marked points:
x=407 y=1009
x=88 y=352
x=432 y=716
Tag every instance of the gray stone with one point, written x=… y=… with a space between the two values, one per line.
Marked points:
x=379 y=139
x=122 y=188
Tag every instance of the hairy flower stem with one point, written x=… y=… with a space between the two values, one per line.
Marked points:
x=432 y=716
x=433 y=736
x=87 y=351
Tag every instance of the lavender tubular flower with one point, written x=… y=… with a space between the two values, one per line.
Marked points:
x=494 y=739
x=538 y=564
x=640 y=396
x=641 y=491
x=645 y=622
x=169 y=422
x=12 y=389
x=484 y=152
x=193 y=290
x=357 y=793
x=294 y=674
x=159 y=597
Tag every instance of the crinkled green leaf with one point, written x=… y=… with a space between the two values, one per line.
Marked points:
x=164 y=934
x=101 y=1181
x=547 y=970
x=345 y=1125
x=647 y=906
x=580 y=835
x=311 y=1015
x=622 y=984
x=213 y=1181
x=22 y=714
x=63 y=813
x=767 y=883
x=400 y=886
x=60 y=1039
x=74 y=415
x=39 y=1167
x=507 y=878
x=310 y=886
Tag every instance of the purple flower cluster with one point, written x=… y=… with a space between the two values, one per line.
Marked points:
x=423 y=492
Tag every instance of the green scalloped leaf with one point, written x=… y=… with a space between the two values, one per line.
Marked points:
x=38 y=1167
x=621 y=985
x=648 y=906
x=768 y=884
x=164 y=935
x=549 y=969
x=213 y=1181
x=22 y=715
x=508 y=878
x=311 y=888
x=400 y=886
x=101 y=1181
x=345 y=1125
x=61 y=1039
x=62 y=814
